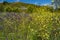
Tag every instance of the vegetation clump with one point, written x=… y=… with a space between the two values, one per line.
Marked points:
x=33 y=23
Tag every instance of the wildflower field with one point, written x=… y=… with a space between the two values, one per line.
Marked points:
x=34 y=23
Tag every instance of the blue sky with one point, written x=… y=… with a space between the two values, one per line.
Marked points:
x=38 y=2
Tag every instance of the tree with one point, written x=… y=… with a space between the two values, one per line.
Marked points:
x=56 y=4
x=5 y=2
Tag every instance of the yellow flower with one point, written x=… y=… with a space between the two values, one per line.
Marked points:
x=43 y=35
x=39 y=19
x=29 y=26
x=32 y=23
x=38 y=16
x=59 y=32
x=35 y=18
x=32 y=30
x=44 y=26
x=51 y=18
x=54 y=28
x=35 y=30
x=46 y=34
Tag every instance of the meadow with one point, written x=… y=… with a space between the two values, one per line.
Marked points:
x=31 y=23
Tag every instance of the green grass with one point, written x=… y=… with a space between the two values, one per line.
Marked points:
x=34 y=26
x=34 y=23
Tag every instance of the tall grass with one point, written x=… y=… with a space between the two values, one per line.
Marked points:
x=41 y=25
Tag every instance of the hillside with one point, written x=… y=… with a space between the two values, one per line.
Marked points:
x=19 y=7
x=20 y=21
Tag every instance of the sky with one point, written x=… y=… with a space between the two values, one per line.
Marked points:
x=37 y=2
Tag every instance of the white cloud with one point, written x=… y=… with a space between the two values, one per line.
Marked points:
x=36 y=3
x=45 y=4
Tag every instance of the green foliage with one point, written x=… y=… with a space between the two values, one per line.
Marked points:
x=8 y=9
x=5 y=2
x=30 y=9
x=1 y=8
x=33 y=23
